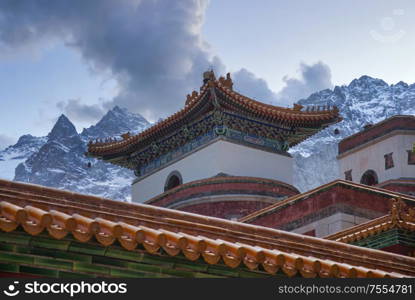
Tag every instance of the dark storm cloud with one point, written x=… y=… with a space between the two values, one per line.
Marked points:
x=75 y=110
x=313 y=78
x=153 y=48
x=247 y=83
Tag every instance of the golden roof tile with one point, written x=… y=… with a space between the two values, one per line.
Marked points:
x=60 y=213
x=290 y=116
x=400 y=216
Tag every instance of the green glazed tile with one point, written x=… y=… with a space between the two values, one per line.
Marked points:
x=86 y=248
x=191 y=266
x=251 y=274
x=177 y=273
x=165 y=261
x=7 y=247
x=63 y=274
x=90 y=268
x=144 y=268
x=11 y=238
x=50 y=243
x=9 y=267
x=17 y=258
x=124 y=254
x=73 y=256
x=123 y=273
x=35 y=251
x=223 y=271
x=205 y=275
x=38 y=271
x=53 y=263
x=103 y=260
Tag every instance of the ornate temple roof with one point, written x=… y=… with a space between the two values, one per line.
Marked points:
x=38 y=209
x=340 y=191
x=219 y=95
x=400 y=216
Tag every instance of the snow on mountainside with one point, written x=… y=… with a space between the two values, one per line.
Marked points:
x=17 y=153
x=115 y=122
x=364 y=101
x=61 y=162
x=58 y=160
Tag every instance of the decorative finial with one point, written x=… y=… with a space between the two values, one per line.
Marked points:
x=125 y=135
x=297 y=107
x=208 y=76
x=395 y=210
x=226 y=82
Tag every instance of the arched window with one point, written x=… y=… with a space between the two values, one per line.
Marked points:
x=174 y=179
x=369 y=178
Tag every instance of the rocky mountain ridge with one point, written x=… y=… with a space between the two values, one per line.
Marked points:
x=58 y=160
x=365 y=100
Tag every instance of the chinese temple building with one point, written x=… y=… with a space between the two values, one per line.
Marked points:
x=393 y=232
x=328 y=209
x=214 y=197
x=218 y=135
x=382 y=155
x=380 y=158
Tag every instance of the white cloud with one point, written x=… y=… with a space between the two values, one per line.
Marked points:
x=313 y=78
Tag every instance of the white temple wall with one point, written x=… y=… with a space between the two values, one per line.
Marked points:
x=371 y=157
x=331 y=224
x=219 y=157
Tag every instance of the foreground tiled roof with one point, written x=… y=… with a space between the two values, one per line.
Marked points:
x=37 y=209
x=296 y=117
x=399 y=217
x=349 y=184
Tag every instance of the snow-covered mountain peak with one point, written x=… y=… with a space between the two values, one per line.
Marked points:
x=366 y=81
x=63 y=128
x=60 y=160
x=115 y=122
x=24 y=140
x=17 y=153
x=401 y=84
x=365 y=100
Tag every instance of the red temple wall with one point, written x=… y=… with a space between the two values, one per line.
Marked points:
x=370 y=202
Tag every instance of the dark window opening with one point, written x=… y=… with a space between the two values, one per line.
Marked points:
x=173 y=180
x=411 y=157
x=369 y=178
x=348 y=175
x=310 y=233
x=389 y=161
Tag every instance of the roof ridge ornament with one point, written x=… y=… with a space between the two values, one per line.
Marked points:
x=126 y=135
x=297 y=107
x=227 y=83
x=401 y=212
x=208 y=76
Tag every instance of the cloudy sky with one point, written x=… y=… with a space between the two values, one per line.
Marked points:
x=83 y=57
